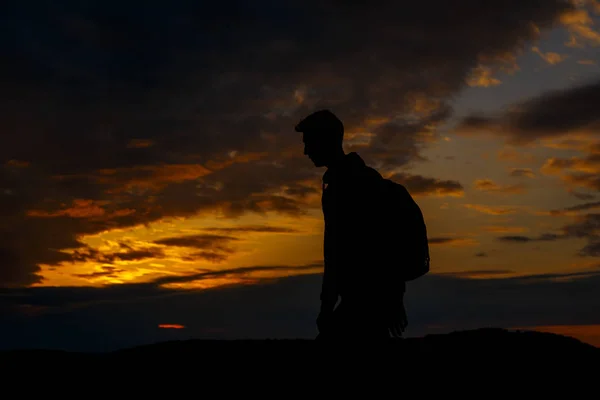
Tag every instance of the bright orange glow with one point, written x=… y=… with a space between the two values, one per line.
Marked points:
x=171 y=326
x=484 y=77
x=300 y=247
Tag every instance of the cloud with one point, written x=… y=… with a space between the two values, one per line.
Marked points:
x=489 y=273
x=585 y=180
x=550 y=57
x=586 y=226
x=126 y=118
x=508 y=154
x=487 y=185
x=581 y=195
x=130 y=254
x=547 y=237
x=171 y=326
x=419 y=185
x=492 y=210
x=521 y=172
x=586 y=165
x=253 y=229
x=574 y=210
x=215 y=248
x=577 y=171
x=504 y=229
x=552 y=114
x=483 y=77
x=198 y=241
x=580 y=24
x=105 y=271
x=452 y=241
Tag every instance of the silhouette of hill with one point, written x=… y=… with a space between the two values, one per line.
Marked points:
x=490 y=343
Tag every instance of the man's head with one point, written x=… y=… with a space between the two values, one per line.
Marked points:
x=323 y=134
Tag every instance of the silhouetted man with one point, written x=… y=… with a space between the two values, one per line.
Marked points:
x=371 y=305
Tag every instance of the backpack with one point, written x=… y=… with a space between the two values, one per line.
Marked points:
x=408 y=245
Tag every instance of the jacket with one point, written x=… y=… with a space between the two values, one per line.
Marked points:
x=351 y=245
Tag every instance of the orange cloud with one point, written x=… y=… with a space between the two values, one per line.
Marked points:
x=158 y=176
x=585 y=180
x=81 y=208
x=171 y=326
x=576 y=141
x=419 y=185
x=483 y=77
x=492 y=210
x=550 y=57
x=481 y=274
x=140 y=143
x=151 y=176
x=452 y=241
x=487 y=185
x=17 y=163
x=586 y=165
x=580 y=25
x=571 y=211
x=519 y=172
x=504 y=229
x=509 y=154
x=235 y=158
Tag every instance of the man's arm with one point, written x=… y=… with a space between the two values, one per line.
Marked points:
x=329 y=290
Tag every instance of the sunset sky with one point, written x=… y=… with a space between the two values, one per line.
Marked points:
x=152 y=186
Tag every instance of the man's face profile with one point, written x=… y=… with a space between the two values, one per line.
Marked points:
x=315 y=148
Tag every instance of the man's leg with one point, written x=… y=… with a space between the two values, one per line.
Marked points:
x=357 y=321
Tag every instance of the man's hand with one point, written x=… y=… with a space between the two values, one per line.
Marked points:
x=324 y=320
x=396 y=318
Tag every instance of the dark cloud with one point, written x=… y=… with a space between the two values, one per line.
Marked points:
x=106 y=271
x=579 y=172
x=576 y=208
x=188 y=107
x=198 y=241
x=397 y=142
x=546 y=237
x=586 y=226
x=215 y=248
x=582 y=196
x=585 y=180
x=210 y=256
x=487 y=185
x=87 y=253
x=442 y=240
x=452 y=241
x=421 y=185
x=522 y=172
x=591 y=249
x=481 y=254
x=82 y=318
x=551 y=114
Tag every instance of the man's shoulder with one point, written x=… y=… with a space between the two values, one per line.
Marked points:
x=355 y=172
